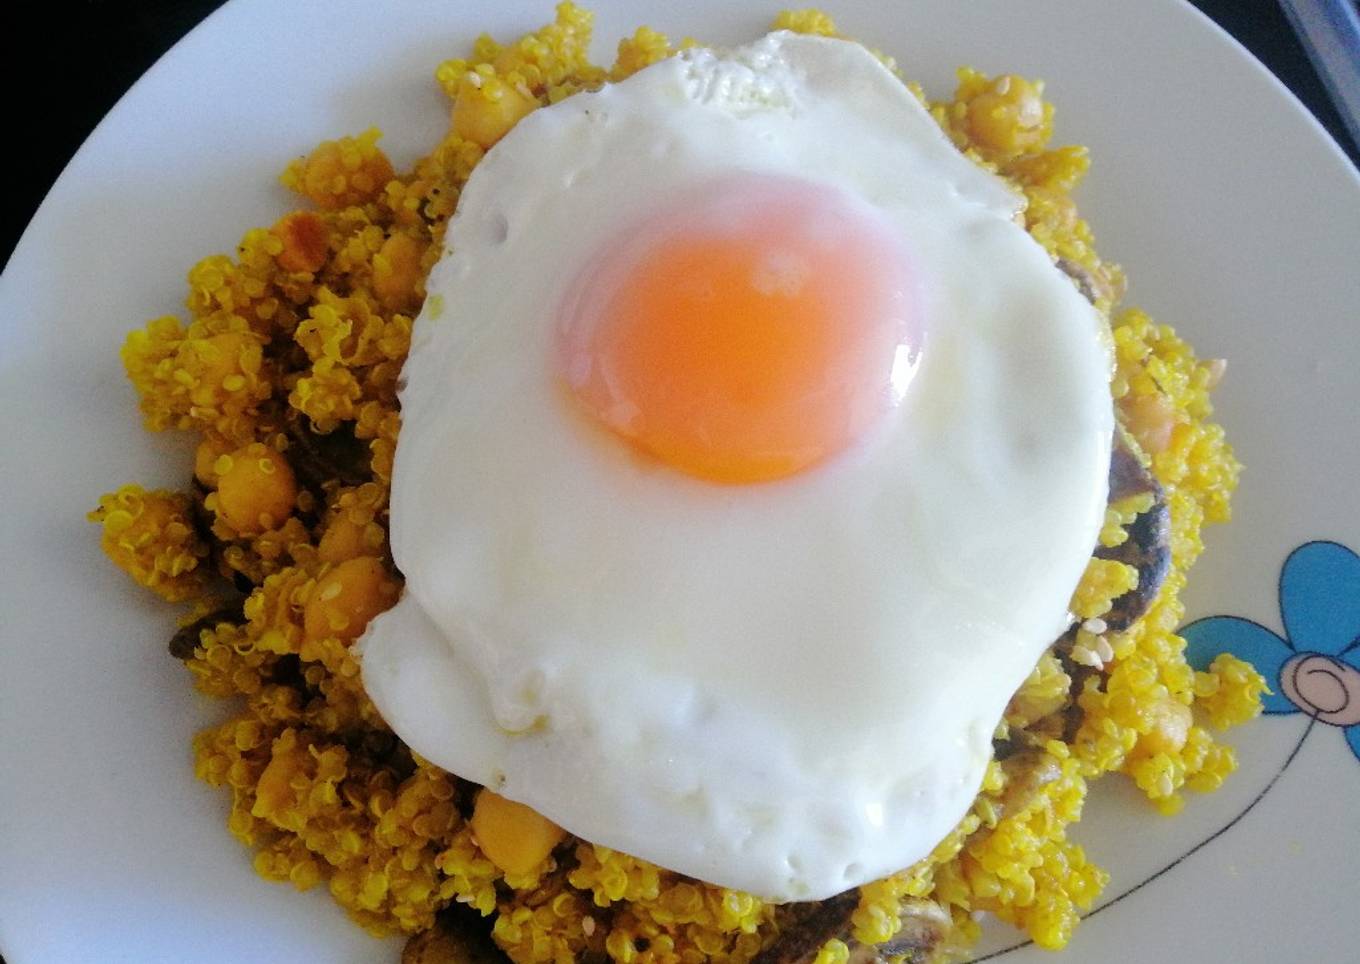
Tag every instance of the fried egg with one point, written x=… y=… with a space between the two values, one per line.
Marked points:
x=750 y=454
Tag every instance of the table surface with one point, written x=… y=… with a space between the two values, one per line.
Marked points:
x=112 y=42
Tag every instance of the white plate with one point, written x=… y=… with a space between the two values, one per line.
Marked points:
x=1236 y=217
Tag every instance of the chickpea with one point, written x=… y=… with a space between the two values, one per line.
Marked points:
x=1170 y=727
x=218 y=363
x=344 y=599
x=487 y=107
x=1151 y=420
x=396 y=272
x=340 y=173
x=305 y=247
x=342 y=540
x=256 y=489
x=1009 y=118
x=206 y=455
x=514 y=837
x=346 y=539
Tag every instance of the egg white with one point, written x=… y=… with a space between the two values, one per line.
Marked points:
x=788 y=688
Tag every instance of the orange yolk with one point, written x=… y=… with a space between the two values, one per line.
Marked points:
x=746 y=334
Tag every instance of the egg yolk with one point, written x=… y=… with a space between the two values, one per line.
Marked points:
x=746 y=333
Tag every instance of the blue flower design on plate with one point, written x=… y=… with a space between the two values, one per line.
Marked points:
x=1315 y=668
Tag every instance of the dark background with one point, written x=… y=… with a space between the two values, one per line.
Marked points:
x=107 y=44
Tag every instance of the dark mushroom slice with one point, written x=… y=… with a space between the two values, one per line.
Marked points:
x=1128 y=475
x=460 y=935
x=186 y=639
x=200 y=515
x=1085 y=281
x=318 y=457
x=1148 y=547
x=805 y=927
x=203 y=525
x=1027 y=773
x=925 y=924
x=1073 y=716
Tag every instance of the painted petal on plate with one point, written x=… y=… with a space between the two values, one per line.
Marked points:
x=1353 y=739
x=1206 y=638
x=1320 y=598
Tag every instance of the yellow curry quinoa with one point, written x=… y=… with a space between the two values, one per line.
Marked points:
x=285 y=369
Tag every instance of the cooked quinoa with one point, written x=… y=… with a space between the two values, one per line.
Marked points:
x=286 y=370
